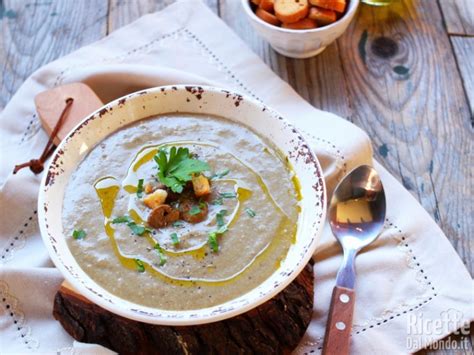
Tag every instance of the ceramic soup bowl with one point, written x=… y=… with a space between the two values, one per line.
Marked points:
x=186 y=99
x=300 y=43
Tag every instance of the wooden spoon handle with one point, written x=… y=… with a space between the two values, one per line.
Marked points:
x=339 y=324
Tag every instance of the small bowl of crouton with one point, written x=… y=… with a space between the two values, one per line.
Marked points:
x=300 y=28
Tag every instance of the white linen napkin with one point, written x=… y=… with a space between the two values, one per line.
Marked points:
x=412 y=287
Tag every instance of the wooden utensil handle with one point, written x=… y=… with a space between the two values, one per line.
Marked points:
x=339 y=324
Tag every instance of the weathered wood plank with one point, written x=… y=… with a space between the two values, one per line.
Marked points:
x=34 y=33
x=407 y=94
x=319 y=80
x=122 y=12
x=458 y=16
x=464 y=50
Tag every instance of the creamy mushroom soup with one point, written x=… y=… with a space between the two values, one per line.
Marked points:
x=181 y=211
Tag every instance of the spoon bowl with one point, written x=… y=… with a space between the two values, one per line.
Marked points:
x=357 y=208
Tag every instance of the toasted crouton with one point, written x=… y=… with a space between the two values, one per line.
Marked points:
x=289 y=11
x=304 y=24
x=155 y=199
x=267 y=17
x=336 y=5
x=201 y=185
x=322 y=16
x=267 y=5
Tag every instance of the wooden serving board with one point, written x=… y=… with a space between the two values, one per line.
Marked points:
x=275 y=327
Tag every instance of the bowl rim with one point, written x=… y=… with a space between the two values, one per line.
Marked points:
x=353 y=5
x=143 y=317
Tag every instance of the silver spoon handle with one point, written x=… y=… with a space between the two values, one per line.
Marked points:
x=346 y=274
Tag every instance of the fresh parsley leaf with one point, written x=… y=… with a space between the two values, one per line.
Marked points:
x=227 y=194
x=220 y=175
x=122 y=219
x=250 y=212
x=176 y=168
x=174 y=238
x=79 y=234
x=185 y=169
x=140 y=188
x=161 y=254
x=220 y=218
x=194 y=210
x=212 y=241
x=140 y=265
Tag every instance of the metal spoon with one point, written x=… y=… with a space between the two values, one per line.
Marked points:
x=356 y=215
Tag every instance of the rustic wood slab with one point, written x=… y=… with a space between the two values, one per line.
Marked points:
x=275 y=327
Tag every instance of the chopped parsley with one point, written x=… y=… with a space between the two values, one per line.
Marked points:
x=177 y=167
x=136 y=228
x=219 y=201
x=194 y=210
x=140 y=265
x=174 y=238
x=161 y=254
x=140 y=188
x=79 y=234
x=212 y=237
x=250 y=212
x=122 y=219
x=178 y=224
x=220 y=174
x=227 y=194
x=212 y=240
x=220 y=218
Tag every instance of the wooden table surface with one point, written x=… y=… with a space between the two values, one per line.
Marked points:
x=404 y=73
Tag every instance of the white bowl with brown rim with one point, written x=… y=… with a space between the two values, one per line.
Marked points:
x=300 y=43
x=262 y=120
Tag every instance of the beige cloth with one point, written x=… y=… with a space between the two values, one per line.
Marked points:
x=410 y=277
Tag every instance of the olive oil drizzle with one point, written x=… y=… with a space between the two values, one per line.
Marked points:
x=107 y=189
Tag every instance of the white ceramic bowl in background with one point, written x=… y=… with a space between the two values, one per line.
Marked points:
x=300 y=43
x=187 y=99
